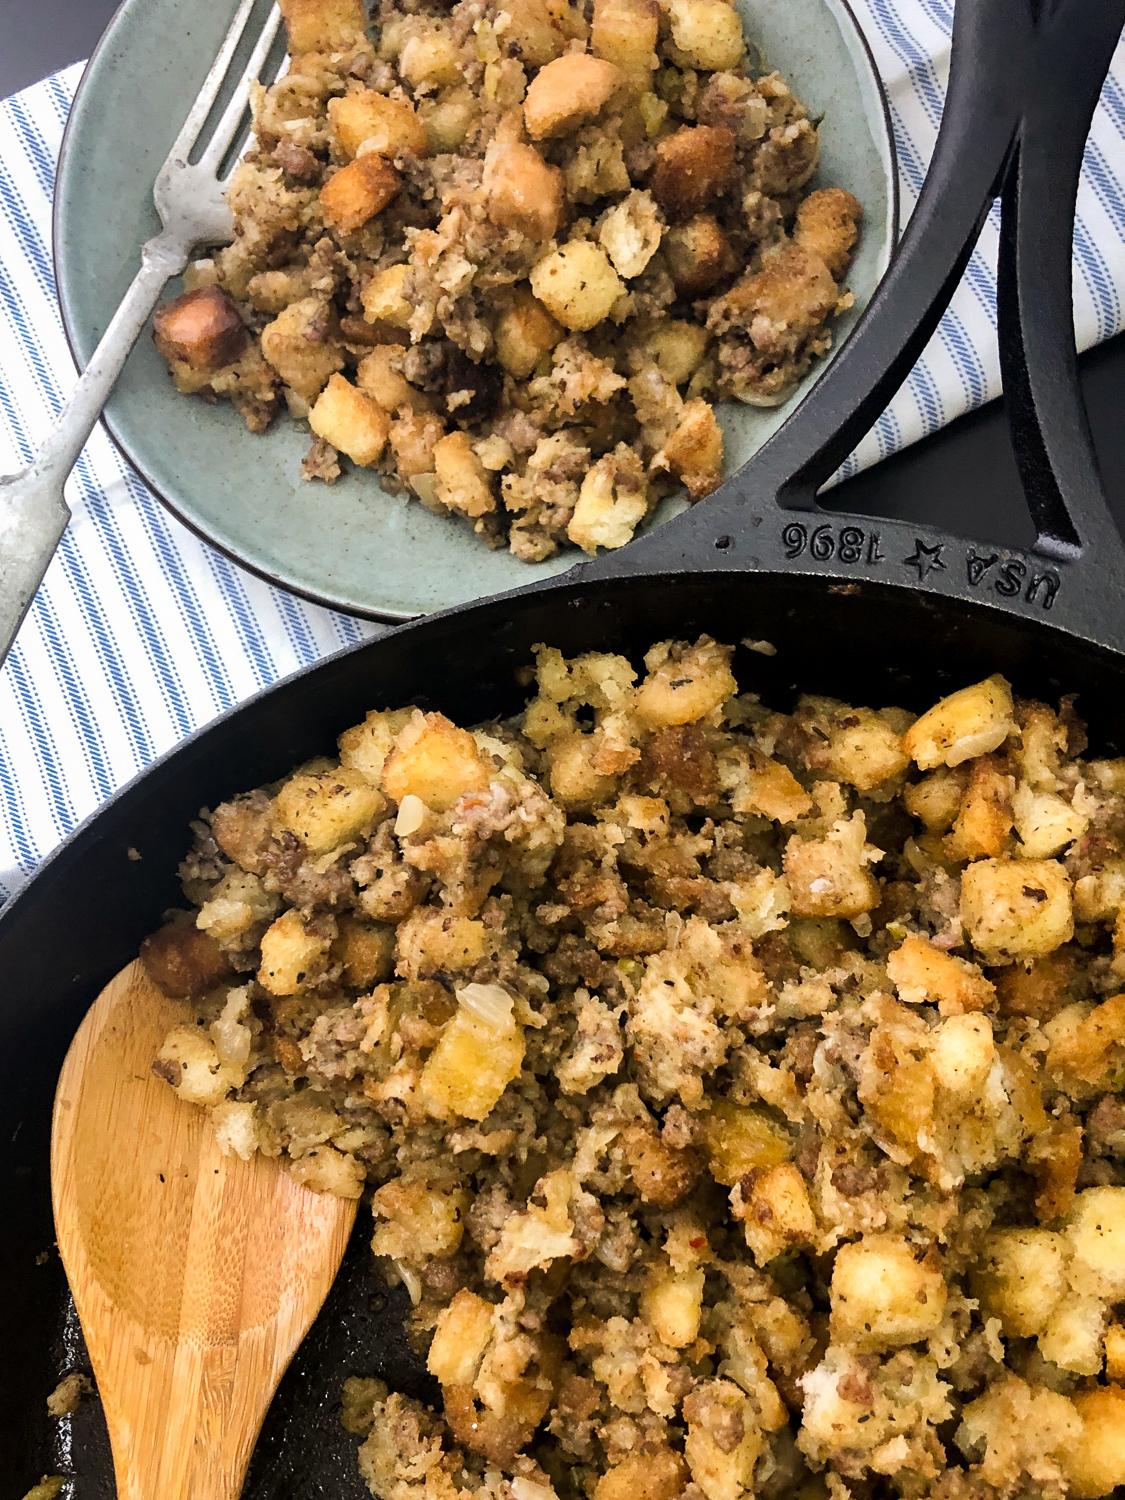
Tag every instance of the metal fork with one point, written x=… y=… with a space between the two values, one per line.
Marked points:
x=189 y=198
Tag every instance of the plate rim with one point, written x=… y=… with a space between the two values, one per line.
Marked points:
x=67 y=314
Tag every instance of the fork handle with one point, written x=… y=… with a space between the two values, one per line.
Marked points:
x=33 y=513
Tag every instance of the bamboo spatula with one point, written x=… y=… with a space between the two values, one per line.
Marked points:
x=195 y=1275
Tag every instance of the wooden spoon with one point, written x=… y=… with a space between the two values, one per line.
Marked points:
x=195 y=1274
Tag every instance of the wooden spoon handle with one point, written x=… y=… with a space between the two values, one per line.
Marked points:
x=195 y=1274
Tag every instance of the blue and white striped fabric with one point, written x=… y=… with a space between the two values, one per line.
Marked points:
x=141 y=633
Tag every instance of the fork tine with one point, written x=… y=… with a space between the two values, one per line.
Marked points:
x=228 y=124
x=200 y=109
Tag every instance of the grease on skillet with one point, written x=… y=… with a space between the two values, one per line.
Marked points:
x=509 y=254
x=735 y=1092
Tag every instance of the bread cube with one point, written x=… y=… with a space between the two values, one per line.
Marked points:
x=674 y=347
x=448 y=119
x=201 y=328
x=1095 y=1464
x=576 y=284
x=773 y=1205
x=189 y=1058
x=525 y=331
x=612 y=502
x=569 y=91
x=828 y=877
x=184 y=961
x=1072 y=1337
x=826 y=223
x=423 y=1221
x=358 y=192
x=384 y=300
x=292 y=346
x=471 y=1066
x=378 y=378
x=694 y=452
x=883 y=1295
x=532 y=34
x=365 y=949
x=936 y=799
x=684 y=685
x=430 y=942
x=624 y=33
x=414 y=436
x=350 y=421
x=656 y=1474
x=925 y=975
x=699 y=255
x=864 y=750
x=1096 y=1231
x=1045 y=822
x=693 y=163
x=973 y=721
x=1084 y=1051
x=1100 y=896
x=742 y=1139
x=326 y=1170
x=962 y=1055
x=326 y=809
x=630 y=233
x=673 y=1305
x=522 y=191
x=1115 y=1351
x=434 y=760
x=429 y=57
x=724 y=1439
x=463 y=1332
x=387 y=126
x=365 y=747
x=1016 y=908
x=462 y=480
x=574 y=780
x=292 y=957
x=707 y=32
x=1020 y=1278
x=323 y=25
x=984 y=820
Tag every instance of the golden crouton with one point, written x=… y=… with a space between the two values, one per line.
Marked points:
x=692 y=166
x=322 y=25
x=673 y=1305
x=202 y=328
x=462 y=480
x=985 y=817
x=624 y=32
x=290 y=344
x=525 y=330
x=533 y=33
x=781 y=304
x=694 y=452
x=415 y=1221
x=884 y=1294
x=684 y=685
x=1095 y=1464
x=826 y=223
x=1016 y=908
x=569 y=91
x=660 y=1474
x=923 y=974
x=577 y=284
x=429 y=56
x=388 y=126
x=350 y=421
x=773 y=1205
x=612 y=502
x=463 y=1331
x=471 y=1066
x=384 y=300
x=1021 y=1278
x=973 y=721
x=828 y=877
x=358 y=192
x=707 y=32
x=326 y=809
x=522 y=191
x=378 y=378
x=292 y=957
x=699 y=255
x=435 y=761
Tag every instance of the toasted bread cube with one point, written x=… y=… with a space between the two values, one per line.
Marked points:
x=377 y=377
x=358 y=192
x=532 y=34
x=203 y=1078
x=924 y=975
x=434 y=760
x=674 y=347
x=724 y=1439
x=522 y=191
x=577 y=285
x=775 y=1211
x=1016 y=908
x=292 y=957
x=673 y=1305
x=651 y=1475
x=1096 y=1231
x=630 y=233
x=694 y=452
x=471 y=1066
x=961 y=1057
x=882 y=1295
x=569 y=91
x=387 y=126
x=322 y=25
x=625 y=33
x=303 y=361
x=771 y=789
x=936 y=799
x=780 y=304
x=462 y=480
x=448 y=119
x=1072 y=1337
x=699 y=255
x=431 y=942
x=463 y=1332
x=826 y=223
x=574 y=781
x=272 y=291
x=328 y=808
x=350 y=421
x=365 y=747
x=525 y=331
x=1095 y=1464
x=1020 y=1278
x=1045 y=822
x=693 y=163
x=864 y=750
x=985 y=818
x=612 y=502
x=326 y=1170
x=429 y=57
x=201 y=328
x=684 y=684
x=184 y=961
x=365 y=949
x=383 y=299
x=973 y=721
x=423 y=1222
x=1084 y=1051
x=828 y=877
x=707 y=32
x=414 y=437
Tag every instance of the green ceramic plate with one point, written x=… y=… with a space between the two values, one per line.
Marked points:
x=350 y=545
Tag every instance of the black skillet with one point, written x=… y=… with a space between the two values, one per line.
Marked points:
x=874 y=612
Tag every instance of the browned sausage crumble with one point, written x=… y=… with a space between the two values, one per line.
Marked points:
x=509 y=253
x=736 y=1092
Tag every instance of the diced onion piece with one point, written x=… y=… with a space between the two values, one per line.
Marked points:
x=490 y=1003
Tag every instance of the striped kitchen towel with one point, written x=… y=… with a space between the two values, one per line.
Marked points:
x=141 y=633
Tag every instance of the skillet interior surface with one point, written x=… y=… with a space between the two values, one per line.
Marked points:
x=95 y=901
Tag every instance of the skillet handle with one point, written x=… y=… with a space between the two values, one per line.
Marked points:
x=1051 y=435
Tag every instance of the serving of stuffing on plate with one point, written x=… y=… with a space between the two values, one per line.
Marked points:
x=509 y=253
x=736 y=1092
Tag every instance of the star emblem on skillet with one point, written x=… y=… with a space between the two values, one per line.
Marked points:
x=924 y=558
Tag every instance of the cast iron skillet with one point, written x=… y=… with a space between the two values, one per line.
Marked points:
x=874 y=612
